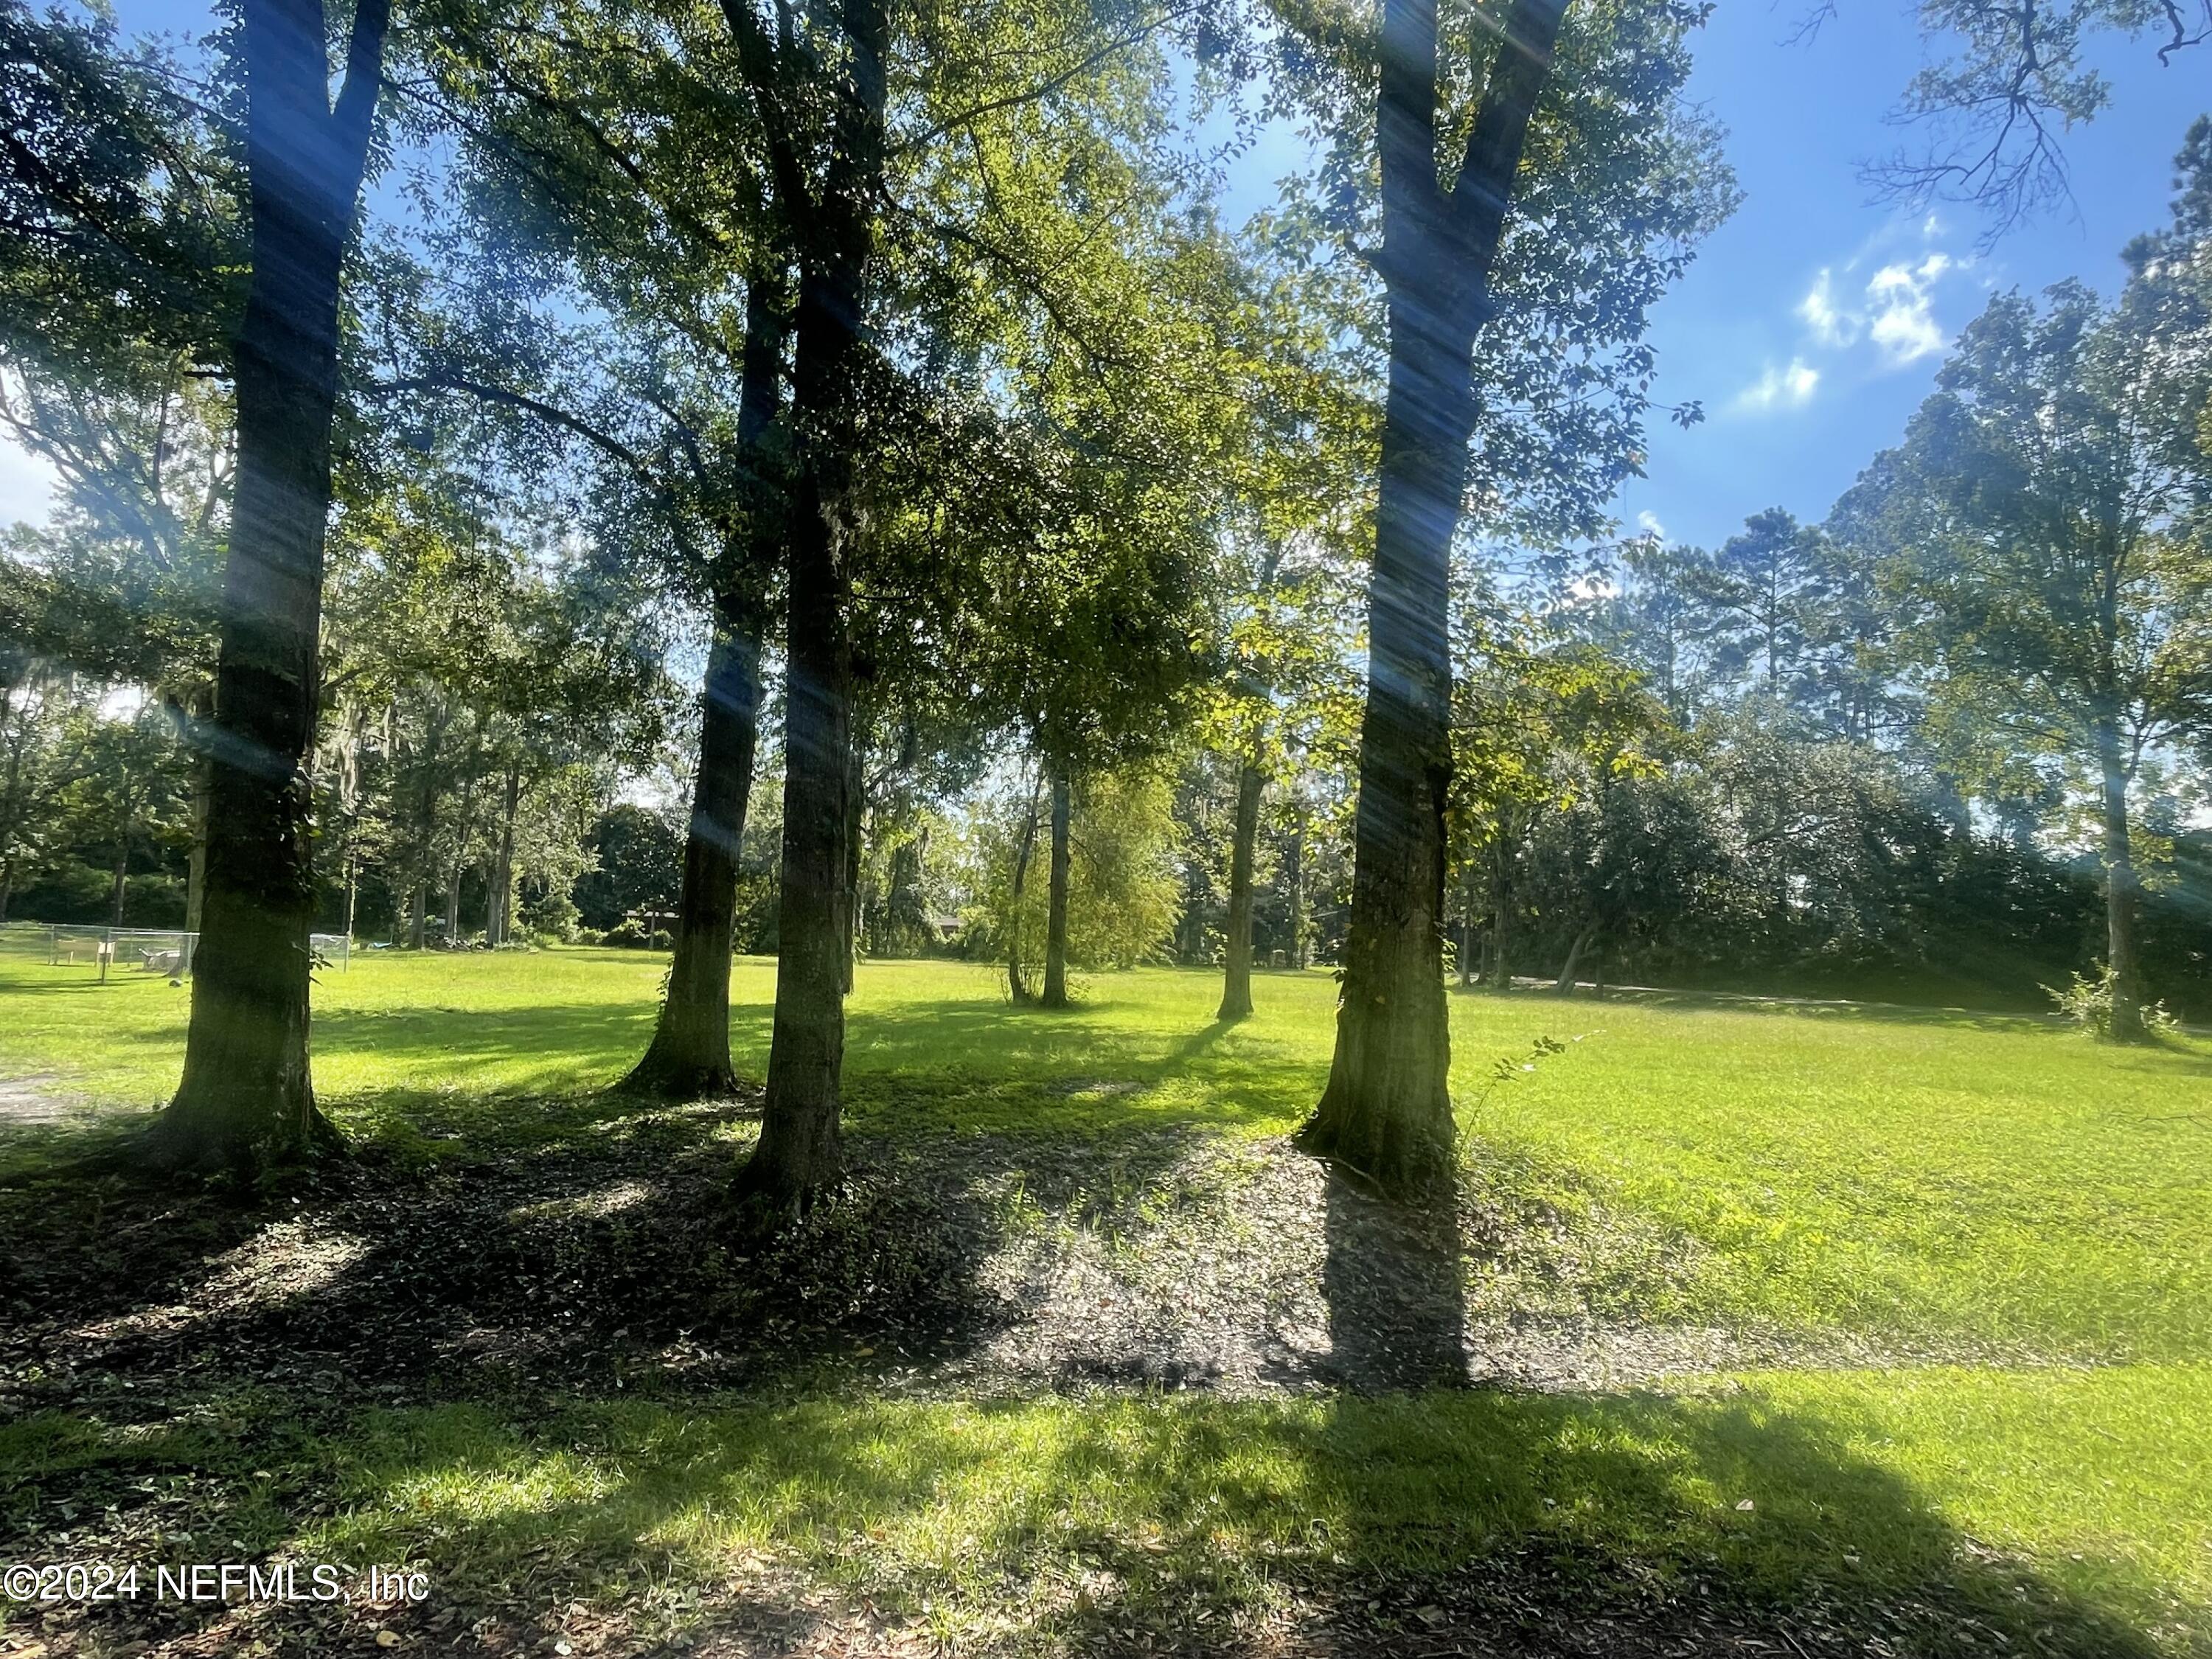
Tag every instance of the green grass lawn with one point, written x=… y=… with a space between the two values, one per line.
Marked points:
x=2014 y=1223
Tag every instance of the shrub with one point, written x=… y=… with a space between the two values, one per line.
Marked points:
x=2088 y=1004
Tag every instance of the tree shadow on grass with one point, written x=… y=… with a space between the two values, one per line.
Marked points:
x=1405 y=1524
x=521 y=1370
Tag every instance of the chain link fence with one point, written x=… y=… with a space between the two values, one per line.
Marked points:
x=162 y=951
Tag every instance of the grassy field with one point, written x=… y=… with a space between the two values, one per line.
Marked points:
x=1989 y=1237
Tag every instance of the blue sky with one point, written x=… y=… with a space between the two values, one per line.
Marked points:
x=1814 y=321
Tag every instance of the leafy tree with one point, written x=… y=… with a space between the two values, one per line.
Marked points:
x=1608 y=203
x=245 y=1098
x=2044 y=494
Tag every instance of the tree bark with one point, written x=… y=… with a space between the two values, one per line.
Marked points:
x=499 y=904
x=689 y=1058
x=121 y=859
x=196 y=859
x=1387 y=1112
x=1500 y=966
x=1566 y=984
x=2119 y=892
x=855 y=819
x=801 y=1143
x=246 y=1099
x=1295 y=876
x=1055 y=922
x=1236 y=965
x=1018 y=986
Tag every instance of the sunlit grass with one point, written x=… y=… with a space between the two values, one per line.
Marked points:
x=1785 y=1487
x=1935 y=1177
x=1959 y=1187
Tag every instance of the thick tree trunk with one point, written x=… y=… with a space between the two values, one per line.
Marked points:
x=245 y=1100
x=689 y=1056
x=1236 y=966
x=418 y=918
x=1055 y=923
x=800 y=1147
x=1387 y=1112
x=2119 y=893
x=801 y=1142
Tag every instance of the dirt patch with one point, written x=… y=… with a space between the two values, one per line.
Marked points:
x=36 y=1101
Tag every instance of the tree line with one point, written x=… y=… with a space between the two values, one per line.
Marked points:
x=1033 y=536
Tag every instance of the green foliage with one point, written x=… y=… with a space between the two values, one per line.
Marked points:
x=1123 y=890
x=2088 y=1003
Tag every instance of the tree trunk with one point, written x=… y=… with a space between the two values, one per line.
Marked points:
x=1295 y=876
x=801 y=1148
x=1055 y=923
x=1236 y=966
x=418 y=919
x=1018 y=985
x=459 y=867
x=196 y=860
x=855 y=817
x=1566 y=984
x=2119 y=892
x=122 y=863
x=1468 y=948
x=246 y=1099
x=1387 y=1112
x=499 y=897
x=689 y=1058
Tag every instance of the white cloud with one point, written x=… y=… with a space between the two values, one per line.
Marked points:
x=1901 y=298
x=1895 y=312
x=27 y=485
x=1648 y=522
x=1781 y=388
x=1586 y=590
x=1831 y=325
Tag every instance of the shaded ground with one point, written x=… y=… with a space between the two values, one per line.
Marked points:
x=973 y=1264
x=597 y=1259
